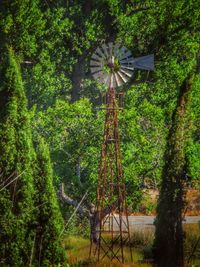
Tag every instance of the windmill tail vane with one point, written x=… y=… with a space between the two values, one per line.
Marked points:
x=112 y=65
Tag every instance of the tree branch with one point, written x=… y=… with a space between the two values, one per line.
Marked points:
x=93 y=214
x=70 y=201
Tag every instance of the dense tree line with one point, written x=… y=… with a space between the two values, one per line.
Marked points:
x=29 y=208
x=59 y=76
x=47 y=95
x=30 y=221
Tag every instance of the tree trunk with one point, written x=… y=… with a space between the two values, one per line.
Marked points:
x=77 y=78
x=78 y=73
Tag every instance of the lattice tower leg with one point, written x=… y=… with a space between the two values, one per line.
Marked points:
x=112 y=223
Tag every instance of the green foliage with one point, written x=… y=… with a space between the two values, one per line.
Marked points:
x=17 y=157
x=192 y=243
x=30 y=214
x=69 y=34
x=53 y=41
x=73 y=31
x=46 y=78
x=21 y=25
x=73 y=132
x=193 y=145
x=48 y=217
x=78 y=226
x=143 y=136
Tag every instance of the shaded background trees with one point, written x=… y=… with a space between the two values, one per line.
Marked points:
x=71 y=36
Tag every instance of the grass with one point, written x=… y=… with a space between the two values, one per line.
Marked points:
x=77 y=248
x=192 y=244
x=142 y=237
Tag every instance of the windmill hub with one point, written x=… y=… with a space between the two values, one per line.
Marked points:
x=110 y=65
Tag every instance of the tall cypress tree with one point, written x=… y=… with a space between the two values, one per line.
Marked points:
x=48 y=250
x=17 y=157
x=168 y=245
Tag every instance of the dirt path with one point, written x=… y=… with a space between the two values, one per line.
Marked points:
x=141 y=222
x=149 y=220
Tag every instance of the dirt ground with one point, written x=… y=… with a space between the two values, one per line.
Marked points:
x=148 y=205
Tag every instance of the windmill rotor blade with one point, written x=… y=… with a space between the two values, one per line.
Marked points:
x=110 y=46
x=127 y=72
x=99 y=76
x=123 y=76
x=112 y=80
x=122 y=51
x=96 y=57
x=95 y=69
x=107 y=80
x=98 y=73
x=127 y=60
x=110 y=58
x=126 y=55
x=95 y=63
x=145 y=63
x=118 y=79
x=100 y=53
x=116 y=50
x=105 y=50
x=127 y=66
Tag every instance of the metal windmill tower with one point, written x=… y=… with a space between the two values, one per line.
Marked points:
x=113 y=65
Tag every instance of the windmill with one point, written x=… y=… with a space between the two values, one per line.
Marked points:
x=112 y=65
